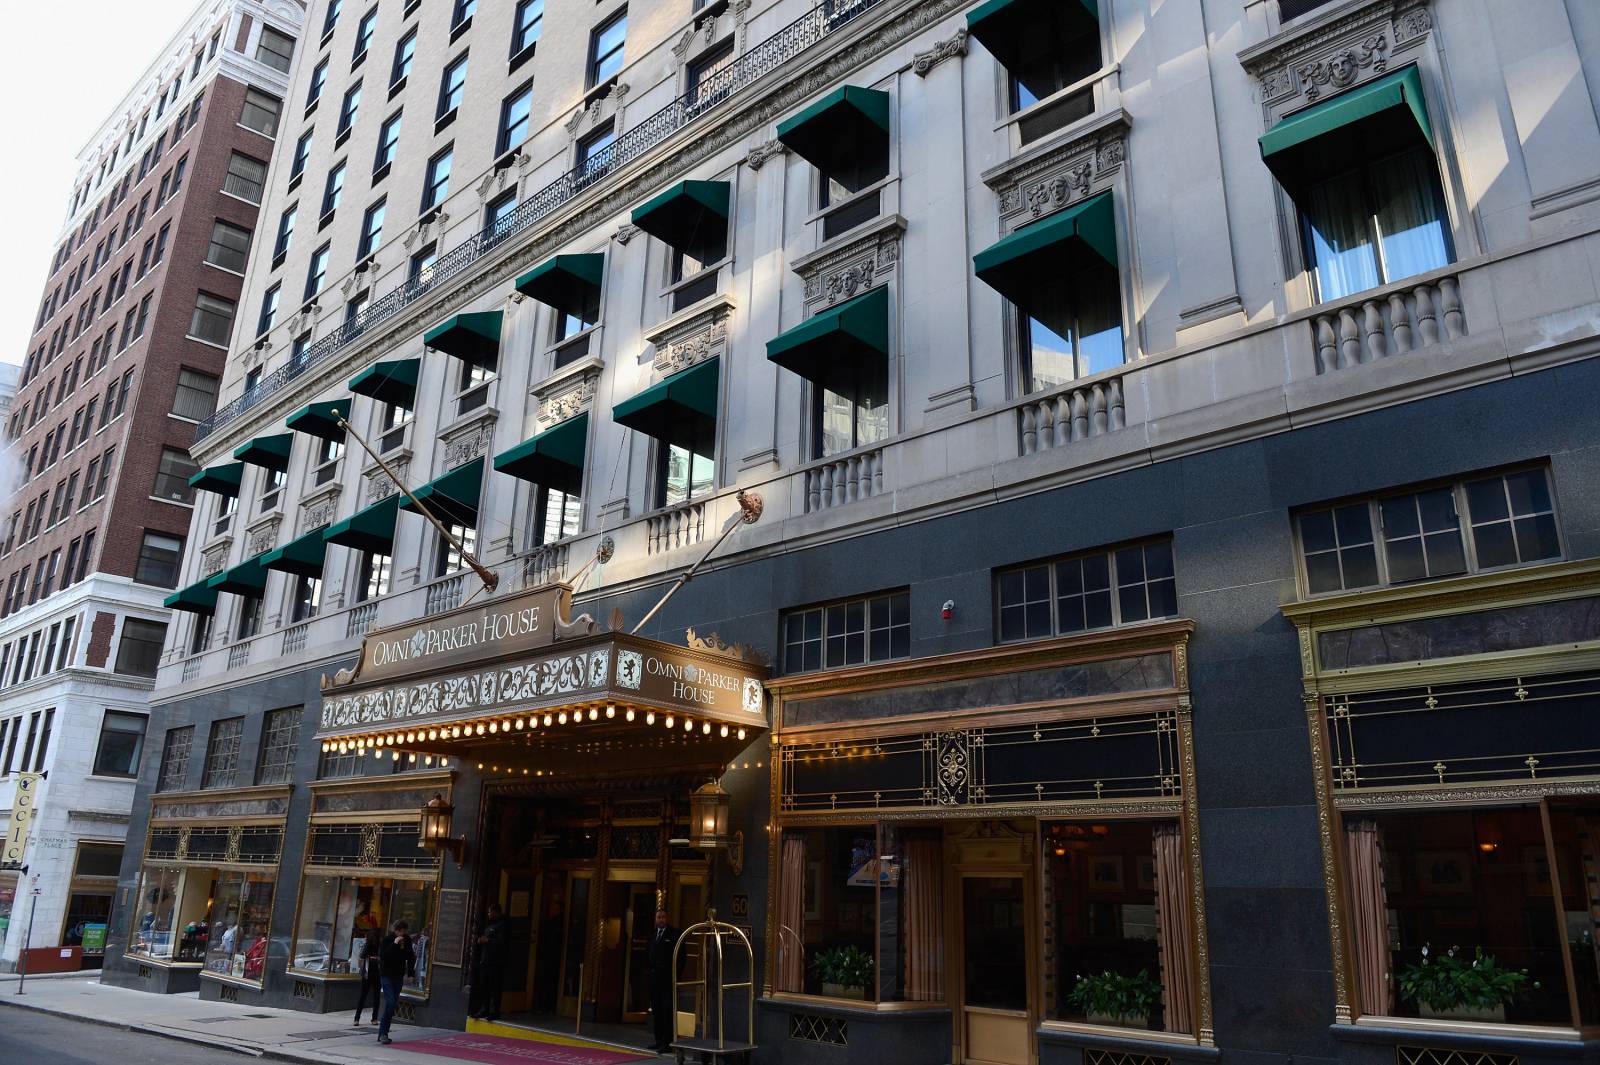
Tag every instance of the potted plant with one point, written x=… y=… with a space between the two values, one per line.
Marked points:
x=1112 y=998
x=1450 y=986
x=845 y=972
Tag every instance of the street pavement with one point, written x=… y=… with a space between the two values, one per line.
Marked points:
x=41 y=1039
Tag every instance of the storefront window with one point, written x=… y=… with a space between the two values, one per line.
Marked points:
x=336 y=912
x=861 y=913
x=173 y=916
x=1462 y=915
x=242 y=914
x=1116 y=904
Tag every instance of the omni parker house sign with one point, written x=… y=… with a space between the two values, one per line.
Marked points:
x=523 y=666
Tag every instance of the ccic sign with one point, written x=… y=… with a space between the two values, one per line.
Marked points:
x=23 y=807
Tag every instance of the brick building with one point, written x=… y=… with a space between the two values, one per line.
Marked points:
x=125 y=359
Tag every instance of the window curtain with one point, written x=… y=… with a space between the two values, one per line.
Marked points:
x=1410 y=222
x=1172 y=914
x=1369 y=927
x=923 y=894
x=1341 y=236
x=791 y=915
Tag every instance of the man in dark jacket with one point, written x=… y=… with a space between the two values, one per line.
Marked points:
x=663 y=995
x=396 y=960
x=489 y=966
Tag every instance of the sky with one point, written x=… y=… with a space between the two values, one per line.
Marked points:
x=64 y=65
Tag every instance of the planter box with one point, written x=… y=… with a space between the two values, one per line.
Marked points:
x=1138 y=1020
x=1464 y=1013
x=840 y=991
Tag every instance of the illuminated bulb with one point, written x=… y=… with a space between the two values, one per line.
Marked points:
x=455 y=733
x=540 y=773
x=724 y=731
x=611 y=711
x=324 y=746
x=522 y=723
x=650 y=718
x=707 y=729
x=494 y=726
x=411 y=737
x=669 y=720
x=495 y=768
x=443 y=762
x=480 y=765
x=629 y=714
x=594 y=713
x=562 y=717
x=741 y=734
x=547 y=720
x=433 y=734
x=395 y=755
x=480 y=728
x=376 y=753
x=524 y=772
x=427 y=759
x=411 y=758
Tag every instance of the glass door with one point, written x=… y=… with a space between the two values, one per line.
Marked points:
x=574 y=977
x=997 y=1027
x=640 y=926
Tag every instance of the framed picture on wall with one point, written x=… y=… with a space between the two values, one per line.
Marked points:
x=1444 y=872
x=1105 y=873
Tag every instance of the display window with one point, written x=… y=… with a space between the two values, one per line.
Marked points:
x=193 y=915
x=336 y=912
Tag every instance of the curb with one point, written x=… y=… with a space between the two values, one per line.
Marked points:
x=170 y=1033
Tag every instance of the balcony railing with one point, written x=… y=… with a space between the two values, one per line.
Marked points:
x=754 y=64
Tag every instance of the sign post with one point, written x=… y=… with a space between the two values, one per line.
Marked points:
x=22 y=954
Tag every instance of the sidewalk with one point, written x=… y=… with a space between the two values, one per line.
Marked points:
x=282 y=1035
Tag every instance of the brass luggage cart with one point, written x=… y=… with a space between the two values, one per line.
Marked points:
x=708 y=1040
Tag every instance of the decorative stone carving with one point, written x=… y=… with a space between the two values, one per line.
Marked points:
x=1063 y=175
x=626 y=232
x=304 y=318
x=694 y=340
x=263 y=536
x=320 y=508
x=926 y=61
x=468 y=442
x=496 y=180
x=379 y=484
x=840 y=272
x=758 y=156
x=426 y=230
x=1302 y=65
x=215 y=558
x=567 y=396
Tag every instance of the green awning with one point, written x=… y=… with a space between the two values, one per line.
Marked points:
x=369 y=529
x=198 y=598
x=692 y=217
x=301 y=556
x=1018 y=33
x=829 y=348
x=321 y=419
x=551 y=459
x=247 y=578
x=676 y=409
x=569 y=283
x=222 y=479
x=268 y=452
x=393 y=382
x=1379 y=118
x=472 y=337
x=1027 y=266
x=832 y=133
x=452 y=497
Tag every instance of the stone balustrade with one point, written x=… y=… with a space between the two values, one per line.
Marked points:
x=444 y=594
x=680 y=526
x=1075 y=413
x=844 y=480
x=360 y=620
x=1369 y=328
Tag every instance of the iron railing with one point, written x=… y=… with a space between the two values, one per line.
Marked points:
x=754 y=64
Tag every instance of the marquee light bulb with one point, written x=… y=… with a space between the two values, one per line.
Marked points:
x=395 y=755
x=629 y=714
x=594 y=713
x=547 y=720
x=611 y=711
x=494 y=726
x=433 y=734
x=650 y=718
x=455 y=733
x=411 y=758
x=707 y=729
x=376 y=753
x=741 y=734
x=443 y=762
x=522 y=723
x=480 y=728
x=724 y=731
x=562 y=717
x=427 y=759
x=669 y=720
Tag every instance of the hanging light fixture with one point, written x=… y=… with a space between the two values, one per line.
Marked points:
x=710 y=815
x=434 y=826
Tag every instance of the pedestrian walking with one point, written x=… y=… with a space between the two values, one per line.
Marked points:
x=396 y=959
x=489 y=965
x=371 y=978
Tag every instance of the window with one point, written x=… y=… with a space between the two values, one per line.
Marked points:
x=452 y=85
x=348 y=109
x=272 y=483
x=274 y=49
x=451 y=558
x=172 y=476
x=421 y=271
x=875 y=629
x=269 y=310
x=261 y=112
x=160 y=251
x=374 y=577
x=1481 y=524
x=280 y=742
x=474 y=387
x=436 y=185
x=121 y=742
x=307 y=597
x=514 y=111
x=1079 y=336
x=316 y=271
x=594 y=154
x=222 y=753
x=175 y=758
x=557 y=515
x=1448 y=885
x=364 y=31
x=336 y=911
x=525 y=25
x=1378 y=223
x=212 y=320
x=333 y=191
x=388 y=142
x=246 y=177
x=704 y=86
x=497 y=212
x=159 y=555
x=371 y=230
x=1090 y=591
x=229 y=246
x=200 y=632
x=140 y=650
x=1063 y=52
x=605 y=48
x=302 y=155
x=319 y=80
x=405 y=49
x=249 y=617
x=856 y=417
x=686 y=470
x=196 y=397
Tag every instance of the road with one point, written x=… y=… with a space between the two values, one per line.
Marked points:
x=40 y=1039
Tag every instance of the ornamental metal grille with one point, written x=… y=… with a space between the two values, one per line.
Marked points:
x=815 y=1028
x=1118 y=1057
x=368 y=845
x=1445 y=1056
x=1519 y=729
x=222 y=753
x=1092 y=759
x=175 y=758
x=280 y=742
x=750 y=67
x=214 y=844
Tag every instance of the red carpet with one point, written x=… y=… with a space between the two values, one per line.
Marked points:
x=497 y=1050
